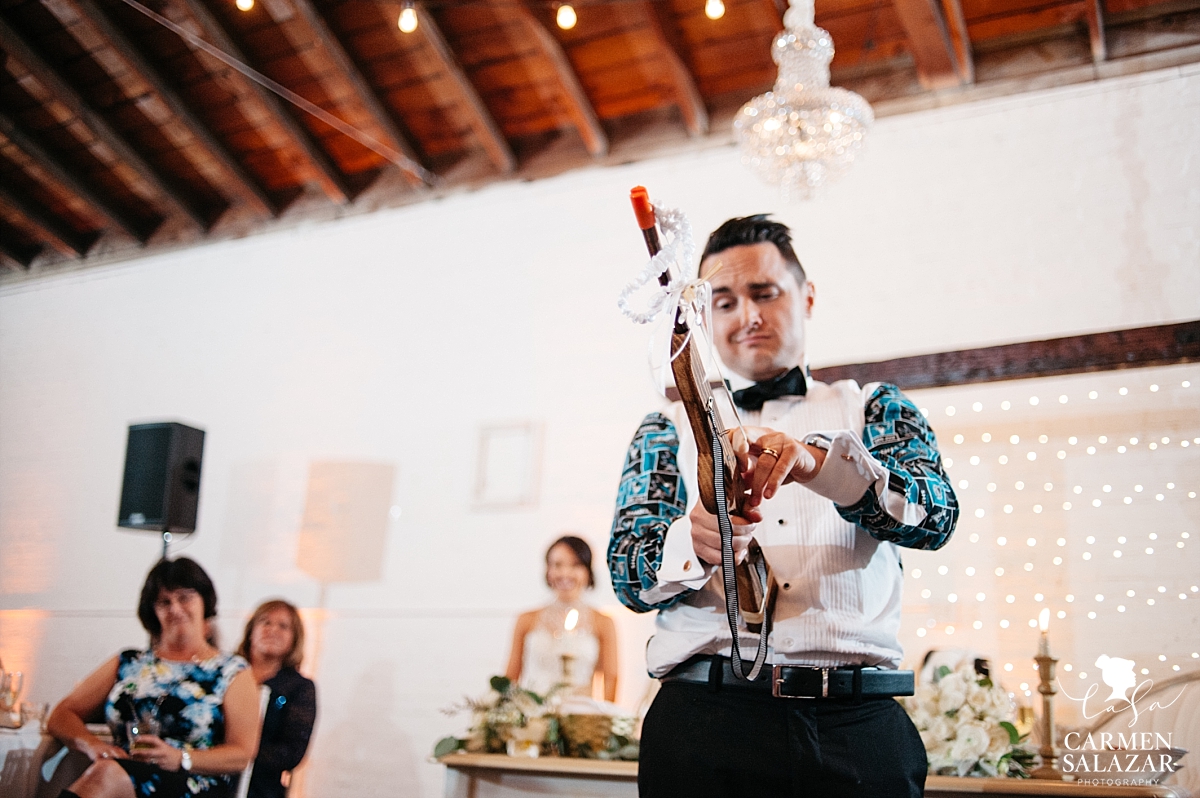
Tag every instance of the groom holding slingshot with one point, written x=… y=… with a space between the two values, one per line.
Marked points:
x=839 y=478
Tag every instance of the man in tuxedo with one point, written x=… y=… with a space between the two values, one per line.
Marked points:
x=840 y=478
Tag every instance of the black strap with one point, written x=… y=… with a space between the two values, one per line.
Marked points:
x=729 y=568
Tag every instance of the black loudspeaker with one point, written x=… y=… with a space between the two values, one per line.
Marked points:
x=161 y=489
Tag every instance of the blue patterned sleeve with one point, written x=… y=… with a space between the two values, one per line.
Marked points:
x=899 y=437
x=651 y=496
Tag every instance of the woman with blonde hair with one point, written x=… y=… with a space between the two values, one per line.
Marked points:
x=274 y=646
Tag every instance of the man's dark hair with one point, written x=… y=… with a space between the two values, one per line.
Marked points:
x=757 y=229
x=177 y=574
x=582 y=552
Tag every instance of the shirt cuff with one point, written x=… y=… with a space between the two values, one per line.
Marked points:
x=680 y=568
x=849 y=470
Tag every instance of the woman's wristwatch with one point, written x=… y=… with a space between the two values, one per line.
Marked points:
x=185 y=761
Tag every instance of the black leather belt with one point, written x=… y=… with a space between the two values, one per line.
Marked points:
x=797 y=681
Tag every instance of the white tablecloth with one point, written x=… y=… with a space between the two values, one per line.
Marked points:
x=19 y=760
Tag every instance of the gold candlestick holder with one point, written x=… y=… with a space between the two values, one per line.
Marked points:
x=568 y=669
x=1048 y=753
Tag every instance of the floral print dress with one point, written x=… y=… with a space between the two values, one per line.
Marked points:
x=186 y=699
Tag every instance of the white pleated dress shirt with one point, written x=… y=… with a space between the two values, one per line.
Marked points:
x=839 y=588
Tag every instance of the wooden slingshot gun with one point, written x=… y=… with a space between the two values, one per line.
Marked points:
x=721 y=491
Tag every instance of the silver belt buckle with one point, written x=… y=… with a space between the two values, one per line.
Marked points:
x=777 y=682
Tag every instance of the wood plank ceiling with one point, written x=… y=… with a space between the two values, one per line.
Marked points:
x=125 y=127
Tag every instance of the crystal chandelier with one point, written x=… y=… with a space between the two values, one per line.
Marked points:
x=803 y=133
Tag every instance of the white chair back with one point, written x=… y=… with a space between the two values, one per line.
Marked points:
x=264 y=695
x=1181 y=720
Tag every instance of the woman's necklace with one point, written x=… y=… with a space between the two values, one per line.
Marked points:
x=204 y=649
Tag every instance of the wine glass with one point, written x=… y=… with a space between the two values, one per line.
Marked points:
x=10 y=689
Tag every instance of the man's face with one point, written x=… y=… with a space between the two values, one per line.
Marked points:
x=759 y=310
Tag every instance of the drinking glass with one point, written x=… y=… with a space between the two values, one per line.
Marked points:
x=10 y=690
x=146 y=725
x=35 y=711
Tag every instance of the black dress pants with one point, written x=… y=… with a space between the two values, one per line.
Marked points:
x=697 y=742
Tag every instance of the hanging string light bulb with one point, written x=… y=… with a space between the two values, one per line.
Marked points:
x=244 y=5
x=566 y=17
x=802 y=133
x=408 y=18
x=714 y=9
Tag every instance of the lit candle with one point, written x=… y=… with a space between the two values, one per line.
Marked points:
x=1044 y=624
x=570 y=642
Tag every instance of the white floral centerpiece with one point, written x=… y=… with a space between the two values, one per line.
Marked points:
x=966 y=723
x=508 y=719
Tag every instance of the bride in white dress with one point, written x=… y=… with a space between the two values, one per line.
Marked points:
x=567 y=641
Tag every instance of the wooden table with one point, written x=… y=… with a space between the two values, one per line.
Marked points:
x=951 y=787
x=495 y=775
x=500 y=776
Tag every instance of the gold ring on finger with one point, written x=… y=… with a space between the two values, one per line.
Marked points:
x=771 y=452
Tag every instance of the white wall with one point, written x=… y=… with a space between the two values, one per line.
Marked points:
x=392 y=338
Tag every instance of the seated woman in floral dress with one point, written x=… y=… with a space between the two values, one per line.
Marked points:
x=203 y=703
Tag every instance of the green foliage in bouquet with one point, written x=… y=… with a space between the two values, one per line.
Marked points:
x=966 y=724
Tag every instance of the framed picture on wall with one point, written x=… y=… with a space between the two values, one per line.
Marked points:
x=509 y=466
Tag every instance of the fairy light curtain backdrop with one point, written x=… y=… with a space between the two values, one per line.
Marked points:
x=1078 y=494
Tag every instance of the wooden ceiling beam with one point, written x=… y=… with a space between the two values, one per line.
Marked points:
x=21 y=259
x=243 y=184
x=930 y=42
x=482 y=123
x=777 y=8
x=70 y=181
x=960 y=40
x=332 y=181
x=683 y=85
x=366 y=95
x=579 y=107
x=1094 y=15
x=55 y=233
x=17 y=48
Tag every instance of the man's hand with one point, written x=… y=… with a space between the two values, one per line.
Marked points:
x=769 y=459
x=706 y=535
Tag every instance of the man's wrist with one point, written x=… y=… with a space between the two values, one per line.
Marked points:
x=818 y=446
x=847 y=471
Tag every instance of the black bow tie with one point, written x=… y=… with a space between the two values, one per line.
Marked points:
x=791 y=384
